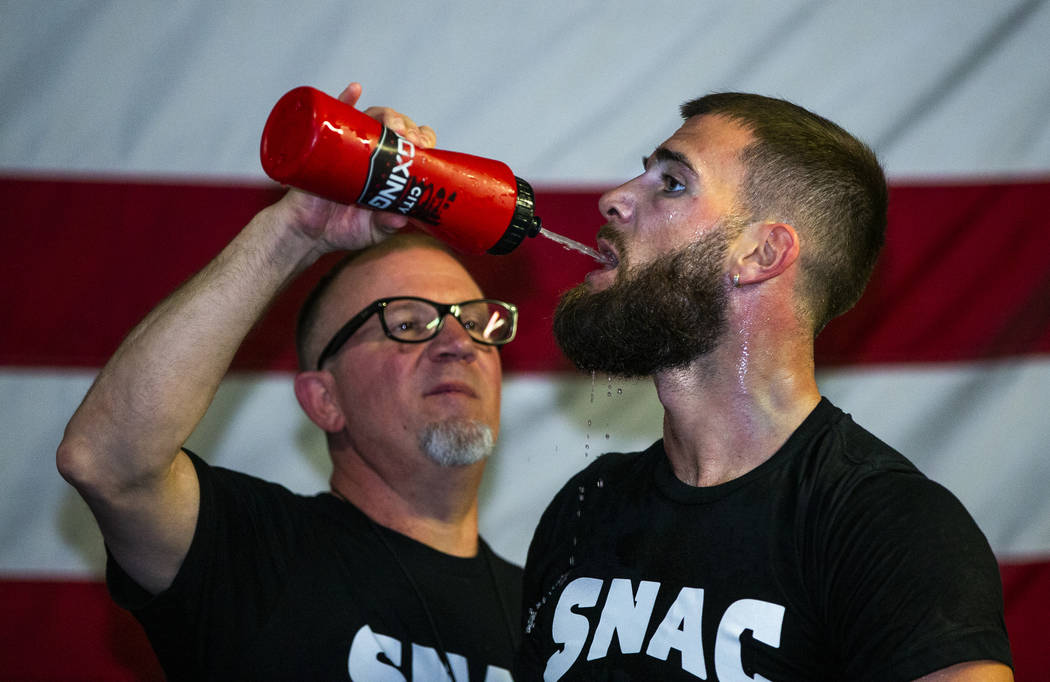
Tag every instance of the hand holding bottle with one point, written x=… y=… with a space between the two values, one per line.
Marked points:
x=337 y=225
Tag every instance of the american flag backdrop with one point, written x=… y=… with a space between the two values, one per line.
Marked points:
x=129 y=135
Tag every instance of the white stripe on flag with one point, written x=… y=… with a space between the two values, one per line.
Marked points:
x=960 y=424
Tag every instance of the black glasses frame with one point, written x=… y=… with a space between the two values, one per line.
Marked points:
x=443 y=310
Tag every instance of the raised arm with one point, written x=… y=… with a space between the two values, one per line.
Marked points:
x=122 y=447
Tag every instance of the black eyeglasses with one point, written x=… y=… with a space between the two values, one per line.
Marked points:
x=409 y=319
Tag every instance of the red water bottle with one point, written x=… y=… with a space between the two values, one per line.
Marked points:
x=317 y=143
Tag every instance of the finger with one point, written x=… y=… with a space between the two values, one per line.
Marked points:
x=388 y=223
x=391 y=118
x=428 y=137
x=405 y=127
x=423 y=136
x=395 y=120
x=351 y=93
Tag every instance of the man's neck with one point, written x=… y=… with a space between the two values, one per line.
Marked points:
x=435 y=505
x=730 y=411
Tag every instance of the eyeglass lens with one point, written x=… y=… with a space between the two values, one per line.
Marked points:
x=412 y=320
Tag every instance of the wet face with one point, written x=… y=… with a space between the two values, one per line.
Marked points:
x=427 y=395
x=662 y=300
x=660 y=315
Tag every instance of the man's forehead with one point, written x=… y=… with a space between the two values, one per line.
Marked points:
x=709 y=133
x=706 y=142
x=413 y=271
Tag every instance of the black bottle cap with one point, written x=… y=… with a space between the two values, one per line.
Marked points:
x=524 y=222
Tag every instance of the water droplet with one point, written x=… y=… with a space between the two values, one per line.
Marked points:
x=609 y=394
x=606 y=436
x=601 y=483
x=619 y=391
x=572 y=560
x=587 y=446
x=588 y=423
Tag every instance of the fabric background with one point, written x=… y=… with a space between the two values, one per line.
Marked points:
x=129 y=136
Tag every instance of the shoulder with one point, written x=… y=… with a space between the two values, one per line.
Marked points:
x=228 y=491
x=835 y=463
x=622 y=467
x=836 y=439
x=845 y=473
x=614 y=470
x=263 y=519
x=887 y=545
x=864 y=503
x=218 y=477
x=614 y=473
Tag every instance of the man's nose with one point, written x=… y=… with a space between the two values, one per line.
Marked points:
x=452 y=342
x=617 y=205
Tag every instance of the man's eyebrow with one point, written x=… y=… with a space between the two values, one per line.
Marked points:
x=668 y=155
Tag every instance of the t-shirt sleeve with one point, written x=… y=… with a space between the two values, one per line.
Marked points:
x=912 y=585
x=228 y=581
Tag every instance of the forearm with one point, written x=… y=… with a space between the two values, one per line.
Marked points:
x=155 y=389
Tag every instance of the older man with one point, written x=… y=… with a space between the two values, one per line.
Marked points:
x=383 y=577
x=766 y=536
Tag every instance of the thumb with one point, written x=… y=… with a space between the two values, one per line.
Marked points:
x=386 y=224
x=351 y=93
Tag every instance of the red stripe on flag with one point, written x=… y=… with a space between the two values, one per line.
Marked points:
x=962 y=277
x=70 y=631
x=90 y=259
x=1026 y=594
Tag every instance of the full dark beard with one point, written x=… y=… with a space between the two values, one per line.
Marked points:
x=664 y=315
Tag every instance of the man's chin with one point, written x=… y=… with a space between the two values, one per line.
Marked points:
x=457 y=443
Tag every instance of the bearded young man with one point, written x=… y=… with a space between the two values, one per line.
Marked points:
x=382 y=577
x=766 y=536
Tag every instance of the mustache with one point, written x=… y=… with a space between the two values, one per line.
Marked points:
x=614 y=237
x=618 y=241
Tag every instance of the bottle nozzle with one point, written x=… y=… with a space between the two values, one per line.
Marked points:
x=524 y=222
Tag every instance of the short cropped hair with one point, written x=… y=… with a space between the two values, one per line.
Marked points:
x=310 y=309
x=804 y=170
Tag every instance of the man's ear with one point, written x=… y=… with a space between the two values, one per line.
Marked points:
x=315 y=392
x=765 y=250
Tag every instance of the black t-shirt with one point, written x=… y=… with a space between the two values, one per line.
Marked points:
x=833 y=560
x=278 y=586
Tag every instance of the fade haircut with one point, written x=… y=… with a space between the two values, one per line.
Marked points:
x=310 y=310
x=804 y=170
